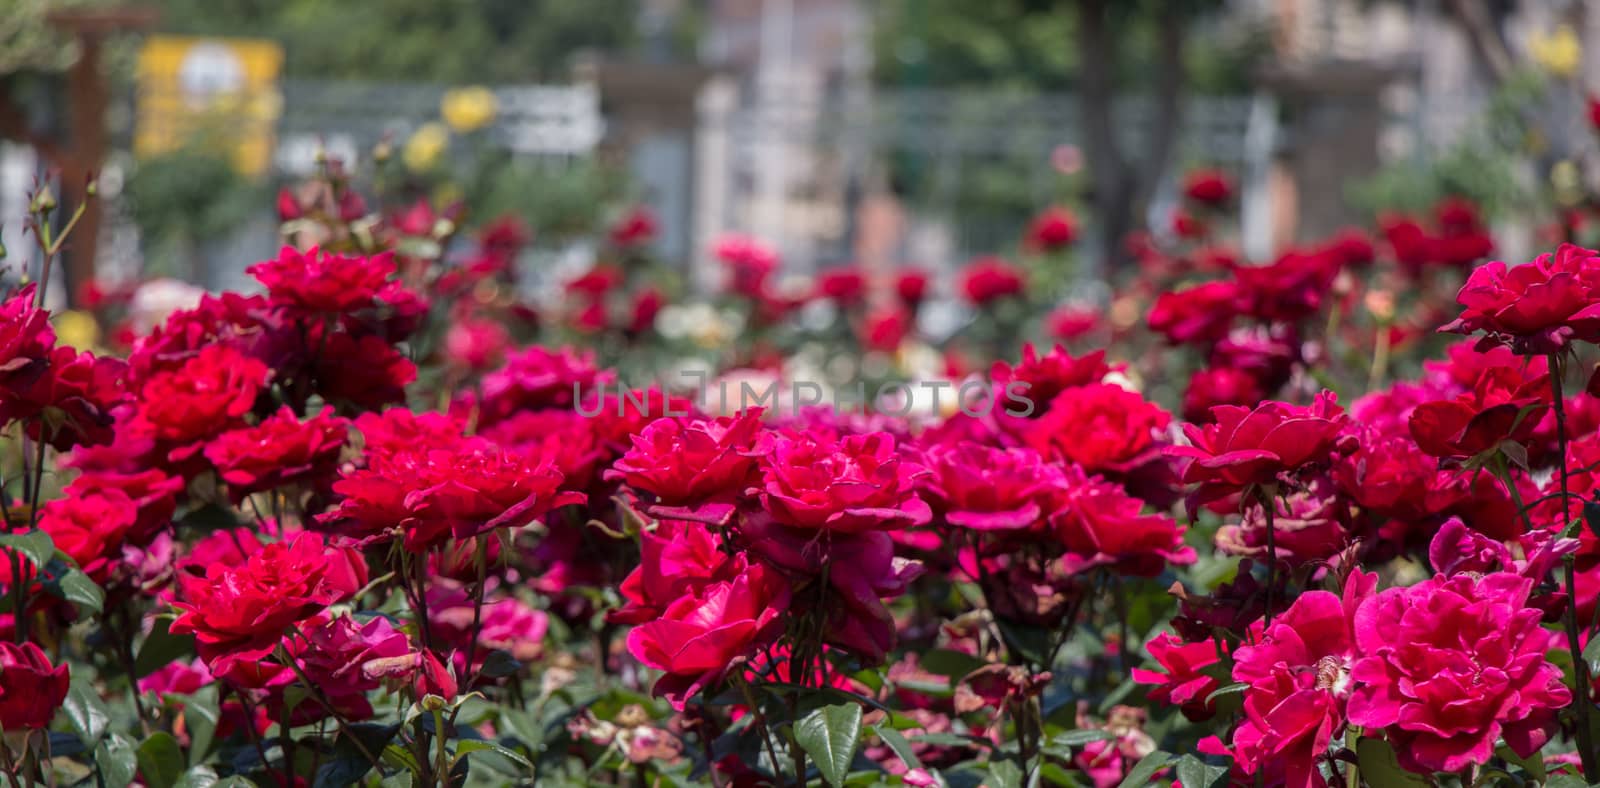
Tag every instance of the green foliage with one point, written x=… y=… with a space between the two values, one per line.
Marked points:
x=187 y=197
x=459 y=41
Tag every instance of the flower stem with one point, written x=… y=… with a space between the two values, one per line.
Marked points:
x=1580 y=667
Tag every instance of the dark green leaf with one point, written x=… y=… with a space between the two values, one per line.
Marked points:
x=160 y=760
x=1380 y=769
x=1533 y=765
x=87 y=712
x=116 y=760
x=499 y=663
x=35 y=546
x=1194 y=772
x=161 y=649
x=77 y=588
x=829 y=736
x=478 y=746
x=1591 y=516
x=1146 y=768
x=952 y=664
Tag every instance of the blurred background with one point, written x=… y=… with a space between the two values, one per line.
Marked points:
x=865 y=132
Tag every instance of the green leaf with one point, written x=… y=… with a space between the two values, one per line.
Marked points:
x=499 y=663
x=1591 y=516
x=478 y=745
x=1380 y=769
x=952 y=664
x=1237 y=686
x=1147 y=768
x=77 y=588
x=87 y=712
x=349 y=763
x=1004 y=774
x=35 y=546
x=234 y=782
x=829 y=736
x=161 y=648
x=198 y=777
x=896 y=741
x=116 y=760
x=1533 y=764
x=200 y=714
x=160 y=761
x=1197 y=773
x=1079 y=738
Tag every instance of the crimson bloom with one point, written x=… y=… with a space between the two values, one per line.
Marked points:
x=858 y=483
x=238 y=612
x=1537 y=307
x=1200 y=314
x=208 y=394
x=90 y=527
x=677 y=558
x=1100 y=426
x=1101 y=525
x=1504 y=405
x=280 y=450
x=1208 y=186
x=1053 y=229
x=988 y=279
x=31 y=689
x=1252 y=446
x=317 y=280
x=1185 y=684
x=694 y=467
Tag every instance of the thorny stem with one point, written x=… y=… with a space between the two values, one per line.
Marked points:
x=1269 y=506
x=1580 y=667
x=125 y=653
x=482 y=560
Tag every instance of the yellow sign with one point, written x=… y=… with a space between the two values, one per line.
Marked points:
x=221 y=91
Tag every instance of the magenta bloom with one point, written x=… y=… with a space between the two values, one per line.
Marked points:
x=695 y=467
x=677 y=558
x=698 y=637
x=1299 y=672
x=1246 y=447
x=1535 y=308
x=1185 y=683
x=1201 y=314
x=991 y=489
x=539 y=378
x=1450 y=665
x=856 y=484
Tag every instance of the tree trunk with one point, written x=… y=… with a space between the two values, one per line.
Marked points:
x=1112 y=184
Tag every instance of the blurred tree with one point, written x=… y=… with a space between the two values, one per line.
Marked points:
x=455 y=41
x=1098 y=49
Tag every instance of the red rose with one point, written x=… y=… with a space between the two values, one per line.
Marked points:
x=280 y=450
x=1309 y=524
x=698 y=637
x=1100 y=426
x=1100 y=525
x=238 y=612
x=90 y=527
x=883 y=330
x=75 y=397
x=647 y=305
x=1290 y=288
x=987 y=279
x=31 y=689
x=367 y=372
x=911 y=286
x=1200 y=314
x=208 y=394
x=856 y=484
x=1041 y=378
x=1209 y=388
x=1185 y=683
x=539 y=378
x=321 y=281
x=1504 y=405
x=694 y=467
x=595 y=283
x=845 y=286
x=1053 y=229
x=153 y=494
x=1208 y=186
x=1537 y=307
x=1246 y=446
x=637 y=228
x=564 y=436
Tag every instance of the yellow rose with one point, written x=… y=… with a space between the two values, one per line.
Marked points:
x=468 y=109
x=425 y=147
x=1558 y=51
